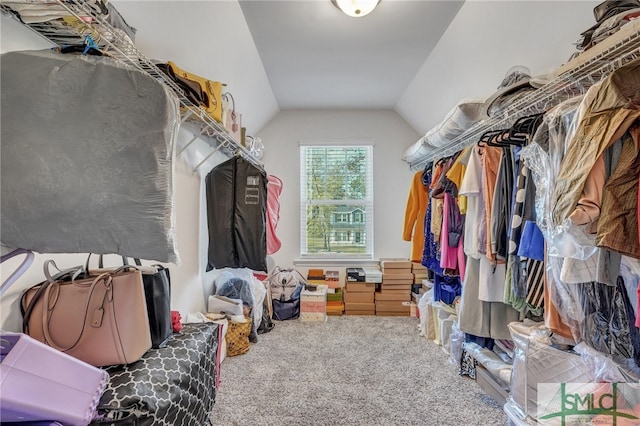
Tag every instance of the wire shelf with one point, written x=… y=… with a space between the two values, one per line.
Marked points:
x=572 y=82
x=116 y=44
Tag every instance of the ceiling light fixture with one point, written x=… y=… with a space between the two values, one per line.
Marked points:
x=356 y=8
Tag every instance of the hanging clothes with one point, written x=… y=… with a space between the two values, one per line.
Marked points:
x=274 y=189
x=413 y=228
x=436 y=203
x=610 y=108
x=236 y=193
x=456 y=174
x=451 y=242
x=619 y=217
x=490 y=162
x=430 y=253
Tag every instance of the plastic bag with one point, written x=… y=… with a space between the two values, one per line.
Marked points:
x=455 y=345
x=238 y=284
x=425 y=300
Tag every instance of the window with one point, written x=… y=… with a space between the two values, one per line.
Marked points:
x=336 y=200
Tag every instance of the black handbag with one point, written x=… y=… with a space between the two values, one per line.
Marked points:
x=157 y=291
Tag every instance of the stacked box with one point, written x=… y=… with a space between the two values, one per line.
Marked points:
x=332 y=279
x=313 y=305
x=355 y=275
x=316 y=277
x=372 y=275
x=419 y=272
x=394 y=297
x=359 y=298
x=335 y=305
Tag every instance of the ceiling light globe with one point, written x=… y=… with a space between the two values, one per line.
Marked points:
x=356 y=8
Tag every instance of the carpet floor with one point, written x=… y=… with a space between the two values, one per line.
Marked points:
x=351 y=370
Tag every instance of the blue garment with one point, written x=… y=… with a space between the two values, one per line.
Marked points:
x=430 y=252
x=446 y=288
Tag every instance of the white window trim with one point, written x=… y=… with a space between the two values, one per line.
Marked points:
x=315 y=259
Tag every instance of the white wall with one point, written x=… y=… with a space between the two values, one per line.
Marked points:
x=484 y=40
x=392 y=176
x=210 y=39
x=234 y=61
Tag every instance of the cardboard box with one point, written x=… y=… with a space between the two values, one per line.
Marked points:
x=385 y=296
x=359 y=297
x=393 y=289
x=415 y=266
x=405 y=272
x=399 y=306
x=408 y=277
x=360 y=306
x=360 y=287
x=394 y=263
x=397 y=287
x=392 y=314
x=352 y=312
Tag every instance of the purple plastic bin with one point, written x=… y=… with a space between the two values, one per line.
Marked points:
x=39 y=383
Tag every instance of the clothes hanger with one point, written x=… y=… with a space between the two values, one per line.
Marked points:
x=21 y=269
x=486 y=136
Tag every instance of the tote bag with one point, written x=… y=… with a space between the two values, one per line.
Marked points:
x=101 y=320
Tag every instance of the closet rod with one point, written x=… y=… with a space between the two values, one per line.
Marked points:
x=116 y=44
x=574 y=81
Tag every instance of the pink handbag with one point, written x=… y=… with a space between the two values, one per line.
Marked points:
x=101 y=319
x=233 y=121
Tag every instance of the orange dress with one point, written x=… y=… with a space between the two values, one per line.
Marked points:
x=413 y=229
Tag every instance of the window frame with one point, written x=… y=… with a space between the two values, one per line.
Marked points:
x=366 y=204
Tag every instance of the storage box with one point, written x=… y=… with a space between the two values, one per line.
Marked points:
x=372 y=275
x=352 y=312
x=392 y=314
x=332 y=279
x=404 y=276
x=490 y=385
x=393 y=296
x=397 y=287
x=335 y=308
x=359 y=297
x=335 y=296
x=401 y=308
x=415 y=267
x=394 y=263
x=355 y=287
x=313 y=316
x=360 y=306
x=312 y=307
x=355 y=274
x=40 y=383
x=405 y=272
x=313 y=302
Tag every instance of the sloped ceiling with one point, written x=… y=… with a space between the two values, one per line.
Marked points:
x=315 y=56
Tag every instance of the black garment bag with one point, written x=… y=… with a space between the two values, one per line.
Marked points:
x=236 y=192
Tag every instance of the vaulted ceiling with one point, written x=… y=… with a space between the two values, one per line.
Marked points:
x=315 y=56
